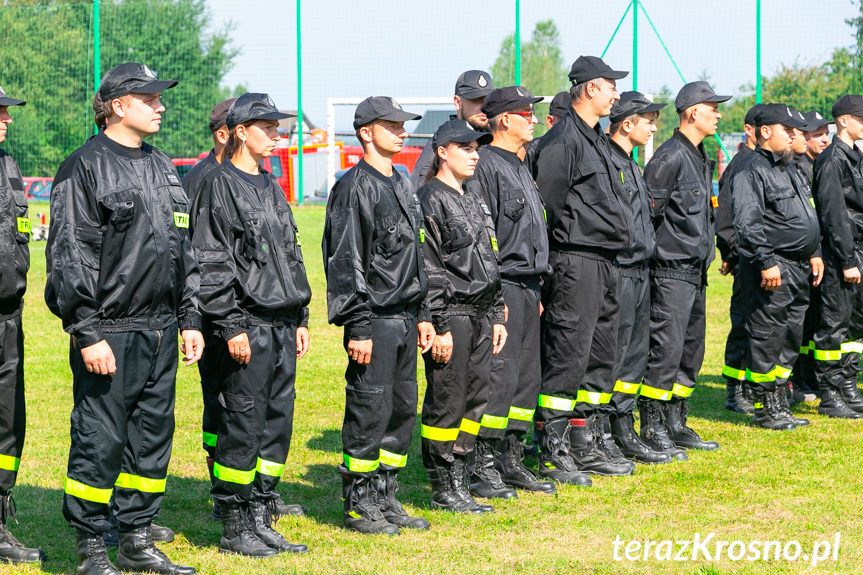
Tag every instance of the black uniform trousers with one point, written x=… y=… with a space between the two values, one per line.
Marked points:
x=774 y=321
x=122 y=429
x=836 y=350
x=457 y=391
x=734 y=369
x=578 y=335
x=208 y=369
x=381 y=398
x=516 y=374
x=677 y=324
x=257 y=415
x=633 y=337
x=12 y=412
x=804 y=367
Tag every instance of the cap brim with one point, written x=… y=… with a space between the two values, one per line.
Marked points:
x=155 y=87
x=716 y=99
x=475 y=93
x=614 y=75
x=399 y=116
x=275 y=116
x=7 y=101
x=816 y=125
x=482 y=138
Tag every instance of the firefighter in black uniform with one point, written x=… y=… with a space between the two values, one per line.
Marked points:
x=557 y=109
x=467 y=309
x=471 y=88
x=588 y=226
x=679 y=177
x=122 y=276
x=254 y=294
x=633 y=122
x=839 y=198
x=505 y=185
x=738 y=396
x=778 y=238
x=15 y=223
x=376 y=289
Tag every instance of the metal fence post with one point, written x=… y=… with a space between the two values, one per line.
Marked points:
x=97 y=55
x=635 y=44
x=299 y=107
x=758 y=51
x=517 y=40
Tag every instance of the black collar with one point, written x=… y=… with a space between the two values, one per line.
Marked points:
x=510 y=157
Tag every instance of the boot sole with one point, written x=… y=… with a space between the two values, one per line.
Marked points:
x=229 y=552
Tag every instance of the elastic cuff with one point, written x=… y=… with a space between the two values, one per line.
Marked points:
x=89 y=336
x=441 y=324
x=359 y=331
x=190 y=320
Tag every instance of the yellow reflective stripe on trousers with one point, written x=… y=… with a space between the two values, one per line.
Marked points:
x=493 y=421
x=9 y=463
x=360 y=465
x=270 y=468
x=804 y=350
x=393 y=459
x=756 y=377
x=592 y=397
x=556 y=403
x=82 y=491
x=781 y=372
x=521 y=414
x=142 y=484
x=229 y=475
x=827 y=354
x=852 y=347
x=210 y=439
x=681 y=390
x=626 y=387
x=653 y=393
x=438 y=433
x=733 y=373
x=468 y=426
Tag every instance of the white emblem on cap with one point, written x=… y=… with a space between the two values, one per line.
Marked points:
x=149 y=72
x=520 y=93
x=469 y=127
x=395 y=104
x=790 y=115
x=817 y=115
x=2 y=91
x=482 y=81
x=270 y=102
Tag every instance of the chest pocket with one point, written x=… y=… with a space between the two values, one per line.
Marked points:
x=291 y=233
x=389 y=240
x=692 y=199
x=594 y=174
x=255 y=247
x=123 y=209
x=514 y=207
x=778 y=198
x=179 y=208
x=21 y=222
x=456 y=235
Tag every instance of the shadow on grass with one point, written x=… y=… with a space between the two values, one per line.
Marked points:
x=329 y=440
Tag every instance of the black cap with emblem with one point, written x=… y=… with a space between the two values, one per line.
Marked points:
x=460 y=132
x=771 y=114
x=507 y=99
x=253 y=106
x=7 y=101
x=848 y=104
x=131 y=78
x=587 y=68
x=814 y=121
x=698 y=92
x=631 y=103
x=474 y=84
x=380 y=108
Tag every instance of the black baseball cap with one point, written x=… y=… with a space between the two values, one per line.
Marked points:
x=848 y=104
x=752 y=115
x=814 y=120
x=590 y=68
x=474 y=84
x=697 y=93
x=218 y=117
x=458 y=131
x=771 y=114
x=7 y=101
x=131 y=78
x=506 y=99
x=253 y=106
x=560 y=104
x=632 y=103
x=380 y=108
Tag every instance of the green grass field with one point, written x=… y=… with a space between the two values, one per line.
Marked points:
x=802 y=485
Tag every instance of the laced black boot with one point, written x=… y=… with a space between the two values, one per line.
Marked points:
x=780 y=397
x=602 y=430
x=263 y=513
x=585 y=450
x=679 y=432
x=653 y=430
x=555 y=461
x=11 y=550
x=631 y=446
x=833 y=404
x=360 y=500
x=138 y=553
x=386 y=485
x=93 y=556
x=486 y=481
x=458 y=475
x=735 y=400
x=237 y=535
x=767 y=414
x=512 y=471
x=851 y=394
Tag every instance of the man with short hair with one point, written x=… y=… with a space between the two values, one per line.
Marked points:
x=376 y=289
x=471 y=88
x=123 y=277
x=817 y=136
x=778 y=237
x=588 y=227
x=14 y=239
x=633 y=122
x=839 y=199
x=504 y=183
x=679 y=177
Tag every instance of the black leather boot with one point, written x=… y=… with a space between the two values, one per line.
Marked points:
x=445 y=496
x=237 y=535
x=11 y=550
x=602 y=428
x=586 y=452
x=262 y=512
x=555 y=461
x=851 y=395
x=157 y=532
x=735 y=400
x=508 y=462
x=631 y=446
x=93 y=556
x=386 y=484
x=284 y=509
x=767 y=412
x=833 y=405
x=653 y=430
x=138 y=553
x=780 y=397
x=485 y=480
x=683 y=436
x=459 y=475
x=360 y=500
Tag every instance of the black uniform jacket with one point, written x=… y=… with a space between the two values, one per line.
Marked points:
x=726 y=239
x=196 y=176
x=372 y=248
x=422 y=166
x=644 y=238
x=460 y=251
x=119 y=255
x=14 y=237
x=774 y=214
x=839 y=200
x=582 y=190
x=806 y=165
x=505 y=185
x=248 y=247
x=679 y=177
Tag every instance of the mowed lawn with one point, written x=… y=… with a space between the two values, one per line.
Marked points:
x=803 y=485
